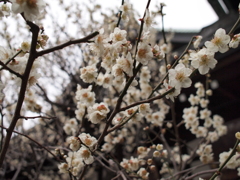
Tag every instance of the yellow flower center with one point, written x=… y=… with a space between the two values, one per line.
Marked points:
x=32 y=3
x=216 y=41
x=20 y=1
x=204 y=60
x=142 y=53
x=118 y=37
x=180 y=76
x=86 y=153
x=101 y=107
x=88 y=141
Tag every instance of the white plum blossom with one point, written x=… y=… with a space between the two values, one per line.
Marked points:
x=30 y=8
x=118 y=72
x=70 y=127
x=194 y=100
x=233 y=163
x=87 y=139
x=125 y=164
x=205 y=153
x=118 y=37
x=126 y=8
x=165 y=48
x=4 y=10
x=162 y=70
x=147 y=20
x=5 y=54
x=156 y=118
x=104 y=80
x=88 y=73
x=190 y=118
x=74 y=162
x=143 y=173
x=134 y=164
x=25 y=46
x=212 y=136
x=146 y=89
x=179 y=77
x=144 y=53
x=145 y=36
x=204 y=103
x=145 y=75
x=86 y=155
x=98 y=46
x=234 y=43
x=63 y=168
x=197 y=41
x=126 y=64
x=205 y=113
x=158 y=53
x=219 y=42
x=175 y=92
x=144 y=108
x=203 y=60
x=19 y=65
x=97 y=112
x=200 y=131
x=142 y=151
x=237 y=135
x=74 y=143
x=85 y=95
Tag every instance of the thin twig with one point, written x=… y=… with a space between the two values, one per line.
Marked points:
x=4 y=66
x=120 y=15
x=234 y=27
x=226 y=161
x=174 y=64
x=34 y=142
x=32 y=56
x=61 y=46
x=200 y=173
x=35 y=117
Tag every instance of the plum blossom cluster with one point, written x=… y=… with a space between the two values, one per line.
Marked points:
x=86 y=103
x=203 y=59
x=199 y=121
x=201 y=124
x=31 y=10
x=18 y=65
x=126 y=9
x=5 y=9
x=123 y=70
x=121 y=105
x=233 y=163
x=80 y=155
x=143 y=164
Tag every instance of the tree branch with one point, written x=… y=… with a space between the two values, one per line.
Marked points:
x=61 y=46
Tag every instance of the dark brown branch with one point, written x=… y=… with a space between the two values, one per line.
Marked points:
x=43 y=147
x=148 y=100
x=200 y=173
x=34 y=117
x=61 y=46
x=4 y=66
x=120 y=15
x=32 y=56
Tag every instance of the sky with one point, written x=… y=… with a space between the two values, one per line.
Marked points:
x=180 y=14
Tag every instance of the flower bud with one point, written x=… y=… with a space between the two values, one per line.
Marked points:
x=237 y=135
x=156 y=154
x=149 y=161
